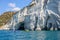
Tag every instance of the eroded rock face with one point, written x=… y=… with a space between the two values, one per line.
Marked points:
x=40 y=14
x=54 y=13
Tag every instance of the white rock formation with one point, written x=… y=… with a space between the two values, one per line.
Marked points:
x=37 y=15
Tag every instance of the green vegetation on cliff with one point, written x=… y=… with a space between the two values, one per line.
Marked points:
x=5 y=17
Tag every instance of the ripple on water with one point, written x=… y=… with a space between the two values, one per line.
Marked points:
x=31 y=35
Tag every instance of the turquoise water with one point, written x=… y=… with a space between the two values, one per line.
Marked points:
x=32 y=35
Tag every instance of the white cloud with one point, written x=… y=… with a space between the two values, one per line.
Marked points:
x=12 y=4
x=13 y=7
x=16 y=9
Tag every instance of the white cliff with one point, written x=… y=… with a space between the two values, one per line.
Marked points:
x=38 y=15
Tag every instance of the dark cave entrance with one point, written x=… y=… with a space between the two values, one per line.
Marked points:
x=50 y=26
x=21 y=27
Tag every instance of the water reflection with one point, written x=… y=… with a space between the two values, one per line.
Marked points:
x=31 y=35
x=38 y=35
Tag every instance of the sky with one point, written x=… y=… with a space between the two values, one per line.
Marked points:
x=12 y=5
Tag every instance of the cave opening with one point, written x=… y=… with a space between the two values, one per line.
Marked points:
x=21 y=27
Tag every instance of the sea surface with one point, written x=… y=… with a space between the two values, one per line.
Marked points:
x=29 y=35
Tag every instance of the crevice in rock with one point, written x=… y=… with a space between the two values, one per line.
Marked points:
x=21 y=27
